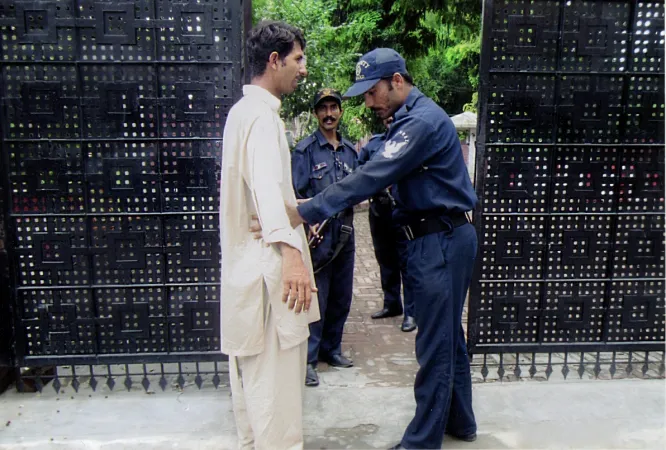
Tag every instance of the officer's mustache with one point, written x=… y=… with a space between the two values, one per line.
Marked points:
x=331 y=118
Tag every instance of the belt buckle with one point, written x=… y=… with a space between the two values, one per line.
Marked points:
x=409 y=234
x=346 y=229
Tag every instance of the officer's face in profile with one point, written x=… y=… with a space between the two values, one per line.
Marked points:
x=383 y=99
x=290 y=70
x=328 y=114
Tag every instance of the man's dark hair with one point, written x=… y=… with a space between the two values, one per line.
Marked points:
x=268 y=37
x=408 y=78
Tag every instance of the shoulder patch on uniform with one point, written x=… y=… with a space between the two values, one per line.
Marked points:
x=395 y=144
x=304 y=143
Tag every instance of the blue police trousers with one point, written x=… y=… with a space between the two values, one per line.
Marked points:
x=334 y=283
x=389 y=258
x=439 y=271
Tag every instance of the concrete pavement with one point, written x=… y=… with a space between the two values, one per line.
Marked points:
x=553 y=415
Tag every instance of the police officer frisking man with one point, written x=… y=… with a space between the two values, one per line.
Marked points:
x=321 y=160
x=387 y=248
x=422 y=162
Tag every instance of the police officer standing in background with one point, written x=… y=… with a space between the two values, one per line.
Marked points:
x=387 y=251
x=422 y=162
x=320 y=160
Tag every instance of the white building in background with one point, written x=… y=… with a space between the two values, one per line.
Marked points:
x=466 y=123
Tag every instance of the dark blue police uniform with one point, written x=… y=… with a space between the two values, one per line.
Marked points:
x=315 y=165
x=422 y=162
x=383 y=233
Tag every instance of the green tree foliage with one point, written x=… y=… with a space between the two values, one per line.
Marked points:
x=439 y=38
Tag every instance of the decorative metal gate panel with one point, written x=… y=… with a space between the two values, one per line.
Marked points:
x=570 y=174
x=112 y=122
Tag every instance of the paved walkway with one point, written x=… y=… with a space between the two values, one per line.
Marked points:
x=553 y=415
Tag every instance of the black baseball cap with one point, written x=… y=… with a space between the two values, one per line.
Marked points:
x=373 y=66
x=325 y=93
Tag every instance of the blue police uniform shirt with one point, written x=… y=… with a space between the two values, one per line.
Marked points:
x=421 y=160
x=316 y=165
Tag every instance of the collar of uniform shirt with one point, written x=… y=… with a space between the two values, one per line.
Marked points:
x=323 y=141
x=414 y=94
x=251 y=90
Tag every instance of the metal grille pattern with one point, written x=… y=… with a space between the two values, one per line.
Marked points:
x=112 y=122
x=571 y=178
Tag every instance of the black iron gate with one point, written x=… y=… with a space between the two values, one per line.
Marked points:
x=570 y=172
x=112 y=119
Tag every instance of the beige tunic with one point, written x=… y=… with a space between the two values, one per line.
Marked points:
x=256 y=179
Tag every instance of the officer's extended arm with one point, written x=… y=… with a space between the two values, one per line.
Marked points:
x=409 y=144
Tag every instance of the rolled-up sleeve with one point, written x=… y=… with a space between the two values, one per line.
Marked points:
x=265 y=173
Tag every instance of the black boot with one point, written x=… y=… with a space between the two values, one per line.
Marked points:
x=408 y=324
x=385 y=312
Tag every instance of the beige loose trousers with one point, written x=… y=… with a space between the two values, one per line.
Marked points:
x=264 y=389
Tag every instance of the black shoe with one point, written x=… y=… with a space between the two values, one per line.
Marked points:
x=408 y=324
x=468 y=438
x=338 y=361
x=385 y=312
x=396 y=447
x=311 y=377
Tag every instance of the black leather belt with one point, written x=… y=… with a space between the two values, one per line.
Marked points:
x=428 y=225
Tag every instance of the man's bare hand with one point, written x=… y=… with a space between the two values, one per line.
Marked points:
x=302 y=200
x=297 y=288
x=255 y=227
x=294 y=217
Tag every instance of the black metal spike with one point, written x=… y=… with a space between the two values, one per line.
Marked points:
x=128 y=378
x=145 y=382
x=501 y=371
x=109 y=379
x=533 y=369
x=549 y=367
x=613 y=367
x=216 y=377
x=630 y=366
x=198 y=380
x=75 y=380
x=93 y=382
x=646 y=366
x=56 y=384
x=484 y=368
x=181 y=379
x=581 y=366
x=597 y=366
x=39 y=384
x=163 y=381
x=516 y=369
x=565 y=368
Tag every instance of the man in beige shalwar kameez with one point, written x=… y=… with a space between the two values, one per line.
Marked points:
x=267 y=283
